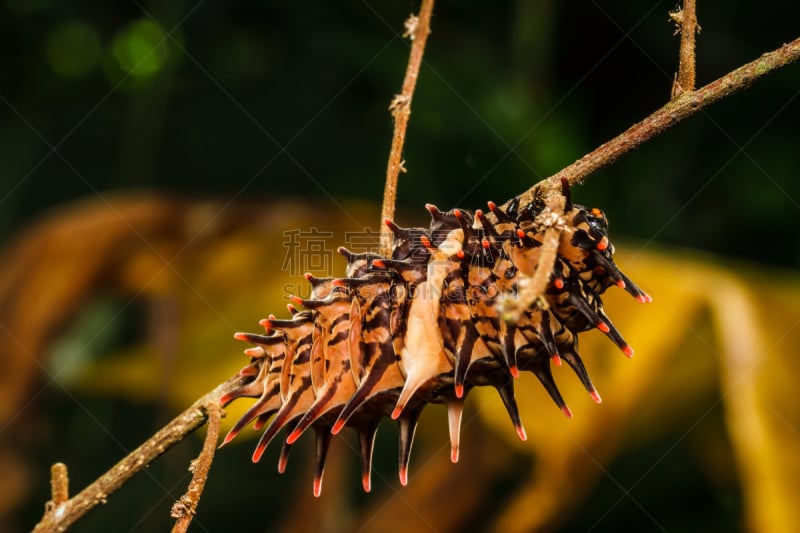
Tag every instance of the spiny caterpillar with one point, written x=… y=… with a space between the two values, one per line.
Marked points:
x=426 y=325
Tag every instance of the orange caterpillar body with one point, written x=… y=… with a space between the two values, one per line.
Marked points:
x=425 y=326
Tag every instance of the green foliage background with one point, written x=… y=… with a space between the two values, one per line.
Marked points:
x=250 y=103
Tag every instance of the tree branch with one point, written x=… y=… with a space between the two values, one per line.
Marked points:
x=417 y=29
x=60 y=515
x=686 y=20
x=682 y=107
x=185 y=508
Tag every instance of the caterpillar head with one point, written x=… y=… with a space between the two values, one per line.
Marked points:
x=590 y=229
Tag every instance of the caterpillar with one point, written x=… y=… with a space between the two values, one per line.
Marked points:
x=426 y=325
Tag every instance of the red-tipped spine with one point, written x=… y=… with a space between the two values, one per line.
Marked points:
x=229 y=437
x=293 y=436
x=255 y=351
x=337 y=427
x=403 y=475
x=397 y=412
x=282 y=462
x=627 y=350
x=259 y=423
x=258 y=452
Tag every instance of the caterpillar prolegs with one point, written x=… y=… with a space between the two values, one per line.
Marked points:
x=426 y=325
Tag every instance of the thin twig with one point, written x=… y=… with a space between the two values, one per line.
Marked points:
x=59 y=489
x=61 y=517
x=59 y=484
x=185 y=508
x=686 y=20
x=417 y=29
x=674 y=112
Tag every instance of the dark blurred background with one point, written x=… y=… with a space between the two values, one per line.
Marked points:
x=248 y=101
x=263 y=98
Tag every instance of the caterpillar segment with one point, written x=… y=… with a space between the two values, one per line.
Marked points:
x=461 y=339
x=422 y=357
x=265 y=386
x=374 y=345
x=371 y=349
x=295 y=381
x=424 y=326
x=422 y=360
x=374 y=368
x=472 y=327
x=413 y=280
x=482 y=292
x=331 y=379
